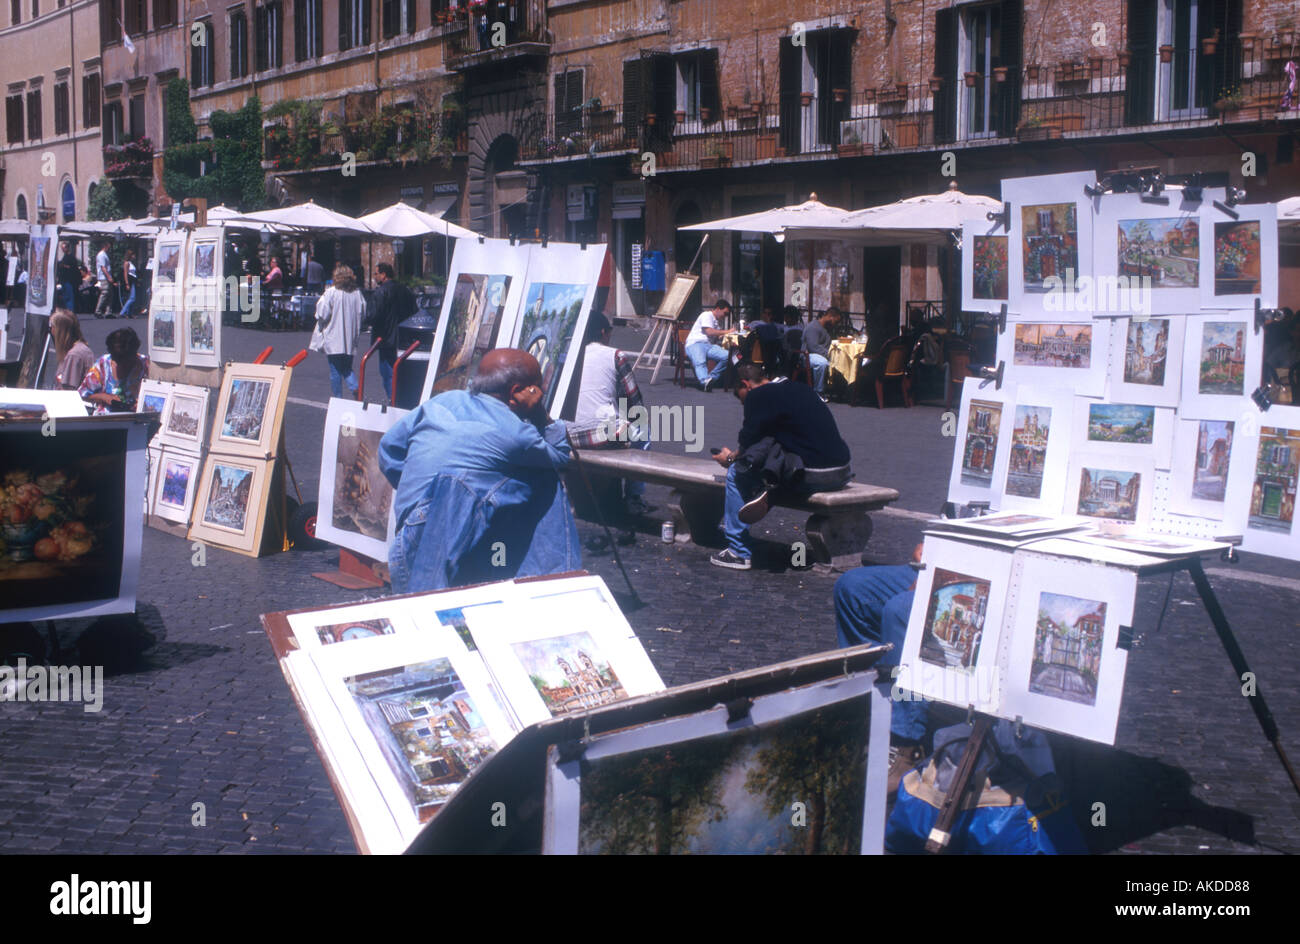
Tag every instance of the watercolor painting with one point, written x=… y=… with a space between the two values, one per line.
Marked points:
x=176 y=483
x=164 y=329
x=1236 y=257
x=205 y=257
x=569 y=672
x=228 y=496
x=361 y=493
x=202 y=334
x=1277 y=464
x=1167 y=251
x=246 y=409
x=1053 y=345
x=1067 y=648
x=1107 y=493
x=185 y=417
x=990 y=267
x=1223 y=358
x=954 y=620
x=1028 y=457
x=981 y=450
x=152 y=402
x=1050 y=243
x=1146 y=352
x=169 y=256
x=356 y=629
x=473 y=324
x=1213 y=454
x=1121 y=423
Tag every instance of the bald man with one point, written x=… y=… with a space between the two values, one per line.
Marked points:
x=478 y=492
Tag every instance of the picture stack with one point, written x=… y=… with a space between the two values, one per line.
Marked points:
x=176 y=450
x=188 y=298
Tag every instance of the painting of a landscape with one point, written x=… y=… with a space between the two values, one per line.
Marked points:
x=1121 y=423
x=1067 y=647
x=1167 y=251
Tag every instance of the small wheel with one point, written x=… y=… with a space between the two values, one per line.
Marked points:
x=302 y=528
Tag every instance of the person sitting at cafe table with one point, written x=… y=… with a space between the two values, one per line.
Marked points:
x=817 y=342
x=702 y=344
x=275 y=277
x=769 y=333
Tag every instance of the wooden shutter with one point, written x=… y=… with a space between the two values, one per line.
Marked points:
x=709 y=94
x=345 y=23
x=90 y=100
x=299 y=30
x=319 y=21
x=410 y=16
x=1140 y=92
x=568 y=103
x=945 y=66
x=1220 y=72
x=633 y=91
x=14 y=118
x=391 y=16
x=1006 y=96
x=791 y=84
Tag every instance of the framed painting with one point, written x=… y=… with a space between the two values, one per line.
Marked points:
x=1240 y=257
x=727 y=788
x=1146 y=360
x=954 y=629
x=1211 y=467
x=230 y=504
x=983 y=434
x=355 y=500
x=250 y=410
x=984 y=266
x=1114 y=492
x=42 y=256
x=1222 y=358
x=1049 y=245
x=201 y=324
x=1124 y=429
x=1148 y=255
x=184 y=425
x=175 y=483
x=164 y=343
x=479 y=311
x=168 y=253
x=1273 y=450
x=154 y=395
x=204 y=262
x=1061 y=354
x=73 y=512
x=1065 y=669
x=23 y=403
x=1037 y=451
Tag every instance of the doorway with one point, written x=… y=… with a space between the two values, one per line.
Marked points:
x=881 y=291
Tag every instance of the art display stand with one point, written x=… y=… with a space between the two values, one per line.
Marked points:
x=664 y=331
x=355 y=572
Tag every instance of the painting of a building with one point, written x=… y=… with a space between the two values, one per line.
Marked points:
x=1105 y=493
x=1067 y=648
x=982 y=429
x=1053 y=345
x=1146 y=351
x=1050 y=240
x=1277 y=464
x=569 y=672
x=1028 y=456
x=1213 y=451
x=954 y=619
x=1166 y=251
x=1223 y=358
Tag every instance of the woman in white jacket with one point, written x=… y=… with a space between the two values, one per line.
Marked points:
x=338 y=324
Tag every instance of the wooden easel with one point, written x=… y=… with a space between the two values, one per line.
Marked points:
x=665 y=319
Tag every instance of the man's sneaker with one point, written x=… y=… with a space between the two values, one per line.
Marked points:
x=637 y=506
x=902 y=759
x=707 y=386
x=729 y=558
x=754 y=509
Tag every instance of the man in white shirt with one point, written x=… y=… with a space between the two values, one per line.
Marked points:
x=702 y=346
x=104 y=276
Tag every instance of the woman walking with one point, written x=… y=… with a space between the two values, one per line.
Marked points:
x=128 y=284
x=338 y=324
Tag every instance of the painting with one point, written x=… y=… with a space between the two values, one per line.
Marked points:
x=1222 y=362
x=550 y=317
x=178 y=476
x=205 y=260
x=185 y=421
x=1237 y=267
x=1213 y=458
x=981 y=446
x=954 y=619
x=163 y=333
x=21 y=411
x=228 y=497
x=1166 y=250
x=1146 y=352
x=1273 y=491
x=202 y=332
x=1121 y=423
x=472 y=328
x=1027 y=459
x=1049 y=236
x=361 y=493
x=169 y=257
x=1067 y=647
x=176 y=483
x=245 y=409
x=569 y=672
x=730 y=792
x=152 y=402
x=1109 y=493
x=250 y=409
x=427 y=727
x=39 y=263
x=353 y=629
x=1053 y=345
x=990 y=268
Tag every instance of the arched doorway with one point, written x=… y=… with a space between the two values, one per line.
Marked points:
x=507 y=189
x=68 y=201
x=685 y=245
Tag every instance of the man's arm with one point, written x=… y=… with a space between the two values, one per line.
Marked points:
x=545 y=448
x=394 y=445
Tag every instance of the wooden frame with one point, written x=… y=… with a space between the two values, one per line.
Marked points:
x=207 y=525
x=226 y=436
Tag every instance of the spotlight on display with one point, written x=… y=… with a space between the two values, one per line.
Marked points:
x=1265 y=395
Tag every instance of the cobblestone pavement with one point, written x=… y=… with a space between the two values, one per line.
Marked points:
x=196 y=711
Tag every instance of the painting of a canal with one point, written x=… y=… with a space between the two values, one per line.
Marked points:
x=954 y=620
x=1166 y=250
x=1067 y=647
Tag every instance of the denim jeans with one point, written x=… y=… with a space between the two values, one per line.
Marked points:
x=128 y=306
x=67 y=296
x=872 y=605
x=631 y=487
x=819 y=365
x=386 y=360
x=340 y=370
x=700 y=353
x=741 y=486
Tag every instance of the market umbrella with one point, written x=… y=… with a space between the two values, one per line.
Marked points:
x=126 y=227
x=810 y=214
x=924 y=219
x=14 y=227
x=306 y=216
x=403 y=221
x=216 y=214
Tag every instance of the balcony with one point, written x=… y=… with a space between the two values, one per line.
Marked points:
x=130 y=161
x=523 y=31
x=389 y=135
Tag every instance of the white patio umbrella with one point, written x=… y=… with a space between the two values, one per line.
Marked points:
x=306 y=216
x=924 y=219
x=13 y=228
x=126 y=227
x=403 y=221
x=808 y=215
x=216 y=214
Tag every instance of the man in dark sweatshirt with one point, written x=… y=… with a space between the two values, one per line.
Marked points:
x=799 y=422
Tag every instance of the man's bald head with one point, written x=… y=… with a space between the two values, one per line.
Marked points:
x=512 y=376
x=509 y=359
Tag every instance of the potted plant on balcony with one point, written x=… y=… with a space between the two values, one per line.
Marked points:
x=1248 y=43
x=1125 y=58
x=1034 y=128
x=1166 y=53
x=717 y=155
x=651 y=118
x=1286 y=32
x=840 y=94
x=805 y=99
x=706 y=114
x=679 y=116
x=1210 y=44
x=1000 y=74
x=1032 y=71
x=936 y=83
x=870 y=93
x=851 y=146
x=971 y=79
x=1069 y=121
x=1094 y=66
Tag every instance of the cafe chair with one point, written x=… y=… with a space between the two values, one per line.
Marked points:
x=956 y=369
x=685 y=372
x=893 y=361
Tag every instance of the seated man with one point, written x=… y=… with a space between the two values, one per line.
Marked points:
x=788 y=440
x=478 y=492
x=607 y=397
x=770 y=336
x=817 y=342
x=872 y=605
x=702 y=344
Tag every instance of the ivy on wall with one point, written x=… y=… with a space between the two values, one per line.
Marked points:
x=226 y=168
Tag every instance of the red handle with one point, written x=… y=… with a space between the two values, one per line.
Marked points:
x=398 y=363
x=296 y=359
x=361 y=388
x=261 y=358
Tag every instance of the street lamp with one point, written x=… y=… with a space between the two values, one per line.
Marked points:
x=265 y=235
x=399 y=244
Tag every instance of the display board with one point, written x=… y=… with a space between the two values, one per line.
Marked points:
x=167 y=303
x=200 y=317
x=42 y=257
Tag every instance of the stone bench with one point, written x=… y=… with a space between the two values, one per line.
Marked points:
x=838 y=527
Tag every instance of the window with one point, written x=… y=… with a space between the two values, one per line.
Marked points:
x=137 y=125
x=270 y=37
x=818 y=67
x=112 y=130
x=568 y=103
x=15 y=12
x=14 y=118
x=398 y=16
x=649 y=87
x=61 y=116
x=308 y=34
x=90 y=100
x=978 y=39
x=110 y=12
x=20 y=207
x=1185 y=86
x=202 y=56
x=354 y=23
x=36 y=8
x=34 y=115
x=697 y=83
x=164 y=13
x=135 y=17
x=238 y=44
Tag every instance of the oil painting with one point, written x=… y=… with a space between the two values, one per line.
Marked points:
x=1049 y=242
x=473 y=326
x=550 y=317
x=1165 y=250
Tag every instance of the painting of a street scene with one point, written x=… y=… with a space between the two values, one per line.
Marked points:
x=569 y=672
x=1067 y=648
x=1107 y=493
x=169 y=255
x=551 y=311
x=426 y=726
x=1121 y=423
x=732 y=793
x=185 y=416
x=981 y=443
x=361 y=493
x=1277 y=464
x=473 y=323
x=1049 y=242
x=1213 y=453
x=1223 y=358
x=228 y=496
x=1166 y=250
x=1146 y=351
x=356 y=629
x=201 y=332
x=176 y=483
x=164 y=329
x=205 y=256
x=954 y=620
x=1028 y=457
x=246 y=409
x=1053 y=345
x=1236 y=257
x=152 y=402
x=990 y=267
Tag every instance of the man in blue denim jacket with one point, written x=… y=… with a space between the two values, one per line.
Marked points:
x=478 y=493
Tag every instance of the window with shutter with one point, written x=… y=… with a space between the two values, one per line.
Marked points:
x=238 y=44
x=1140 y=87
x=791 y=85
x=568 y=103
x=164 y=13
x=16 y=13
x=633 y=109
x=90 y=103
x=308 y=30
x=110 y=11
x=34 y=115
x=137 y=117
x=945 y=67
x=14 y=119
x=1220 y=71
x=391 y=15
x=61 y=108
x=1010 y=55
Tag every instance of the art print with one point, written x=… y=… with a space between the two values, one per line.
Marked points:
x=184 y=423
x=1221 y=365
x=1211 y=462
x=981 y=446
x=1027 y=461
x=205 y=260
x=168 y=261
x=228 y=497
x=990 y=268
x=230 y=503
x=1165 y=250
x=355 y=498
x=153 y=397
x=250 y=410
x=40 y=271
x=163 y=330
x=1067 y=647
x=245 y=409
x=1125 y=423
x=1049 y=245
x=1239 y=266
x=1146 y=352
x=569 y=672
x=1053 y=345
x=982 y=442
x=1113 y=491
x=353 y=629
x=1273 y=489
x=176 y=484
x=1237 y=263
x=550 y=318
x=1049 y=234
x=202 y=332
x=954 y=619
x=473 y=327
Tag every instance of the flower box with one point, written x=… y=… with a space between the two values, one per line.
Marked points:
x=1166 y=53
x=849 y=150
x=1000 y=74
x=1071 y=121
x=936 y=83
x=1039 y=133
x=972 y=78
x=805 y=98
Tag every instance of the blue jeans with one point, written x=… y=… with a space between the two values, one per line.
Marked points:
x=128 y=306
x=741 y=486
x=386 y=360
x=872 y=605
x=67 y=296
x=341 y=370
x=700 y=353
x=819 y=365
